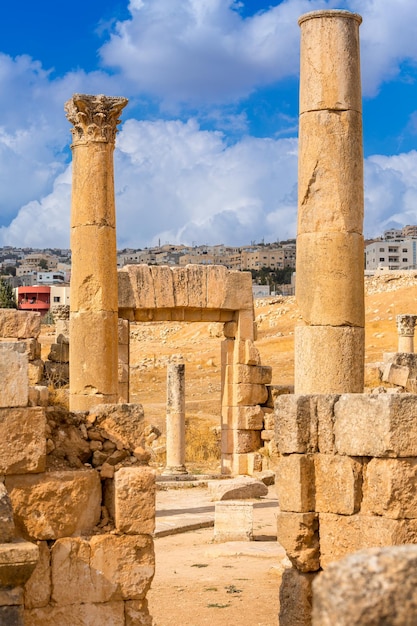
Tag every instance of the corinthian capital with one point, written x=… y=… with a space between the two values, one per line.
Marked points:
x=95 y=118
x=405 y=325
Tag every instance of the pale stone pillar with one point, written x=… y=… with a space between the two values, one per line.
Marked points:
x=175 y=419
x=94 y=297
x=329 y=348
x=405 y=328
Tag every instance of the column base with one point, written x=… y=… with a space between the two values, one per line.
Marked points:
x=174 y=470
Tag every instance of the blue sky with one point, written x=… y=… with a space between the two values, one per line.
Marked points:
x=207 y=151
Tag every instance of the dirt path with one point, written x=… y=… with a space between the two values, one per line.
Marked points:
x=199 y=582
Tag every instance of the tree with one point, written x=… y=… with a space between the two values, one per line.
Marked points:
x=43 y=264
x=7 y=299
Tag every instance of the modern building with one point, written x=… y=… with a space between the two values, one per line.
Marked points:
x=394 y=254
x=36 y=298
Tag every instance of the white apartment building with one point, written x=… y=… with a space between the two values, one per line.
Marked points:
x=395 y=254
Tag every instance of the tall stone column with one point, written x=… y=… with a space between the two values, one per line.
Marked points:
x=405 y=327
x=175 y=419
x=329 y=347
x=94 y=297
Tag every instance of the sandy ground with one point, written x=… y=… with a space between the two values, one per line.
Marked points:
x=199 y=582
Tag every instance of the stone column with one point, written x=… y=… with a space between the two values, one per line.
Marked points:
x=175 y=463
x=329 y=347
x=94 y=297
x=405 y=328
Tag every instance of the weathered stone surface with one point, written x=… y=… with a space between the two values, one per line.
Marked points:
x=370 y=587
x=295 y=598
x=137 y=613
x=319 y=281
x=390 y=488
x=240 y=441
x=122 y=423
x=38 y=395
x=134 y=495
x=243 y=417
x=7 y=529
x=32 y=347
x=59 y=352
x=233 y=521
x=328 y=359
x=254 y=374
x=17 y=562
x=35 y=497
x=295 y=482
x=88 y=614
x=19 y=324
x=400 y=362
x=341 y=535
x=323 y=407
x=35 y=371
x=37 y=590
x=295 y=424
x=298 y=533
x=245 y=393
x=22 y=440
x=11 y=596
x=236 y=489
x=245 y=352
x=105 y=568
x=336 y=36
x=338 y=484
x=13 y=374
x=376 y=425
x=396 y=374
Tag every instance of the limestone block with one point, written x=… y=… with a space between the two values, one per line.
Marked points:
x=12 y=616
x=233 y=521
x=374 y=586
x=121 y=423
x=95 y=330
x=230 y=330
x=164 y=287
x=56 y=504
x=341 y=535
x=10 y=596
x=19 y=324
x=376 y=425
x=328 y=360
x=389 y=488
x=243 y=417
x=37 y=590
x=268 y=435
x=338 y=484
x=296 y=483
x=403 y=360
x=269 y=419
x=59 y=352
x=32 y=347
x=136 y=287
x=246 y=353
x=373 y=374
x=330 y=48
x=38 y=396
x=240 y=441
x=331 y=196
x=245 y=393
x=396 y=374
x=274 y=391
x=323 y=407
x=298 y=533
x=123 y=373
x=105 y=568
x=7 y=529
x=123 y=328
x=13 y=374
x=123 y=389
x=237 y=294
x=17 y=562
x=241 y=488
x=134 y=505
x=89 y=243
x=22 y=440
x=35 y=371
x=137 y=613
x=190 y=286
x=246 y=325
x=111 y=613
x=295 y=425
x=295 y=598
x=254 y=374
x=338 y=284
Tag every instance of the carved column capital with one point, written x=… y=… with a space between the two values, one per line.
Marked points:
x=405 y=325
x=95 y=118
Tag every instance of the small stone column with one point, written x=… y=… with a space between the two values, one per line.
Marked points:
x=94 y=292
x=61 y=314
x=405 y=328
x=329 y=347
x=175 y=424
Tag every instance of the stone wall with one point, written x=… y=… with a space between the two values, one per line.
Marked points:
x=345 y=481
x=77 y=501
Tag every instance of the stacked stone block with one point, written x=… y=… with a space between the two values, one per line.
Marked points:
x=345 y=481
x=75 y=529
